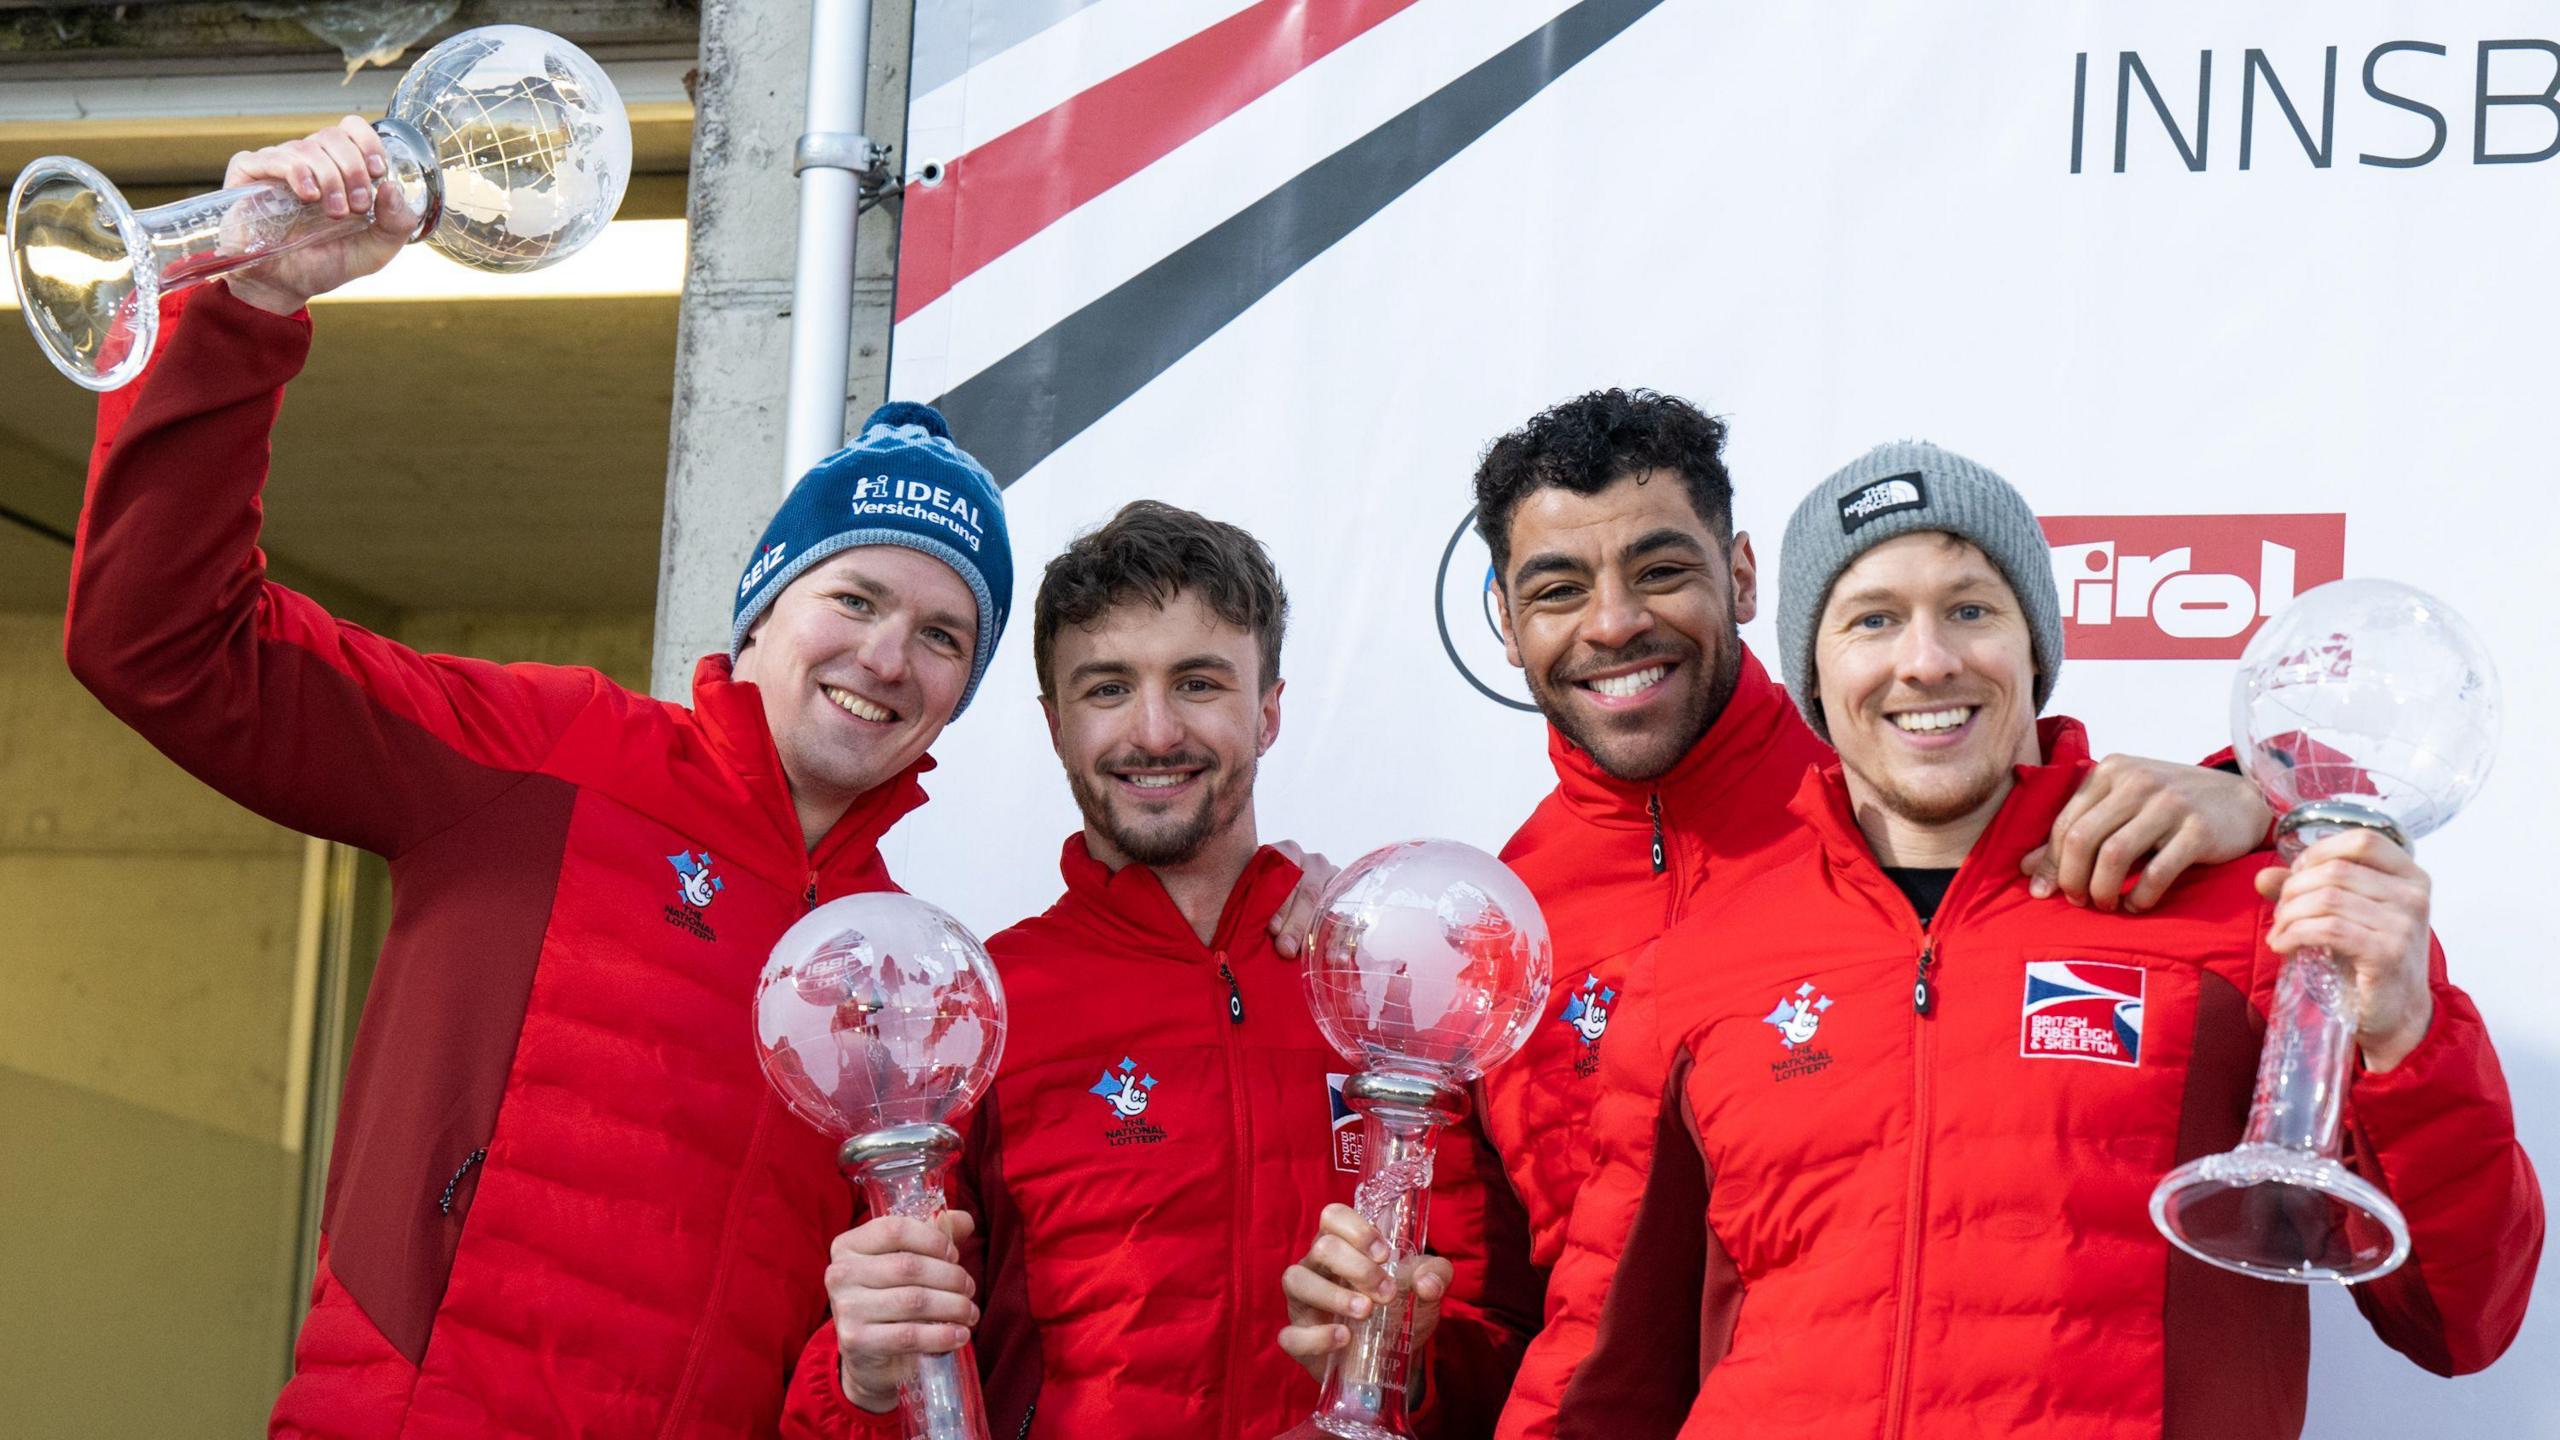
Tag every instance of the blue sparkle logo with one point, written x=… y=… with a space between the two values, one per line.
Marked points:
x=1798 y=1016
x=1587 y=1010
x=694 y=880
x=1124 y=1090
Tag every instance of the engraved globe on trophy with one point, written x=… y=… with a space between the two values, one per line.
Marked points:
x=509 y=143
x=1427 y=967
x=2365 y=705
x=880 y=1020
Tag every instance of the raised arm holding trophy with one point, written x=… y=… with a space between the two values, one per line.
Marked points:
x=506 y=149
x=562 y=1198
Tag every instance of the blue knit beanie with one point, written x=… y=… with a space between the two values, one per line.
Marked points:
x=901 y=482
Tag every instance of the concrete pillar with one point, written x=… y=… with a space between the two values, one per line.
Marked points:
x=725 y=452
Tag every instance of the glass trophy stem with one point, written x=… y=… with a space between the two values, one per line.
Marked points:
x=2281 y=1205
x=193 y=240
x=902 y=1172
x=91 y=270
x=2309 y=1056
x=1364 y=1383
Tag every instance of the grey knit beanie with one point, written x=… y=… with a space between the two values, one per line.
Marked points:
x=1894 y=490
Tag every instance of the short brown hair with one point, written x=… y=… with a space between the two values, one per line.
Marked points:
x=1153 y=551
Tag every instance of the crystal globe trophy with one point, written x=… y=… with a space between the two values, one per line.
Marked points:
x=1428 y=966
x=509 y=144
x=2365 y=705
x=880 y=1020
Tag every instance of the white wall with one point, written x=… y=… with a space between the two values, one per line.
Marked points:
x=1839 y=224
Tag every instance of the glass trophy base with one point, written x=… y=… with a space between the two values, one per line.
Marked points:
x=2281 y=1214
x=1319 y=1427
x=82 y=272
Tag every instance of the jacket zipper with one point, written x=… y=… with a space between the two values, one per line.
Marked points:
x=1244 y=1147
x=1924 y=1002
x=1653 y=807
x=444 y=1202
x=1235 y=993
x=809 y=896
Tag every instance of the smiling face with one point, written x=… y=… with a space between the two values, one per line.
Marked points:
x=860 y=663
x=1160 y=717
x=1623 y=608
x=1927 y=680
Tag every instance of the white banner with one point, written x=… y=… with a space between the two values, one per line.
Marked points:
x=2242 y=296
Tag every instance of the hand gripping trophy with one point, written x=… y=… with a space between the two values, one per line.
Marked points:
x=509 y=143
x=1428 y=967
x=2366 y=704
x=880 y=1020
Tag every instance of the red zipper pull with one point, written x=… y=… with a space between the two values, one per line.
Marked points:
x=1235 y=992
x=1653 y=807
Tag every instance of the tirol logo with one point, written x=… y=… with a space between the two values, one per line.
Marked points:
x=1587 y=1011
x=1797 y=1016
x=1346 y=1126
x=2184 y=587
x=1128 y=1092
x=695 y=886
x=2082 y=1010
x=1470 y=620
x=1884 y=497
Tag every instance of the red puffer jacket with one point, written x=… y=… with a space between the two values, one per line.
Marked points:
x=562 y=1200
x=1850 y=1217
x=1615 y=863
x=1147 y=1166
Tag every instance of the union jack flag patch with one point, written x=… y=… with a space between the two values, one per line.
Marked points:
x=2082 y=1010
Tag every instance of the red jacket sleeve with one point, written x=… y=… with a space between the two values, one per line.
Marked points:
x=815 y=1408
x=316 y=724
x=2438 y=1133
x=1478 y=1225
x=1624 y=1125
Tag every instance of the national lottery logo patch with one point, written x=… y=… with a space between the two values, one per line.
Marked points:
x=2082 y=1010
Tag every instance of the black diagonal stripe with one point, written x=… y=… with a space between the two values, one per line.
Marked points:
x=1016 y=412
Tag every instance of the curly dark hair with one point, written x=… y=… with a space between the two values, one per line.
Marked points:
x=1591 y=442
x=1152 y=551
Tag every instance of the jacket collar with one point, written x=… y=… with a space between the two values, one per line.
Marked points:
x=1131 y=909
x=2023 y=822
x=731 y=714
x=1722 y=760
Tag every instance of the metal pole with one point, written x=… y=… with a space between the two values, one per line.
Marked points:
x=831 y=158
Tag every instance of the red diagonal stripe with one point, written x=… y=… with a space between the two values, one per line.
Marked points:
x=1016 y=185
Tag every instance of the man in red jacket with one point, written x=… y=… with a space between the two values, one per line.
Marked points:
x=1844 y=1187
x=1623 y=584
x=1167 y=1128
x=562 y=1200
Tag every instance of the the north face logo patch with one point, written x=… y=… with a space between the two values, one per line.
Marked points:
x=1884 y=497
